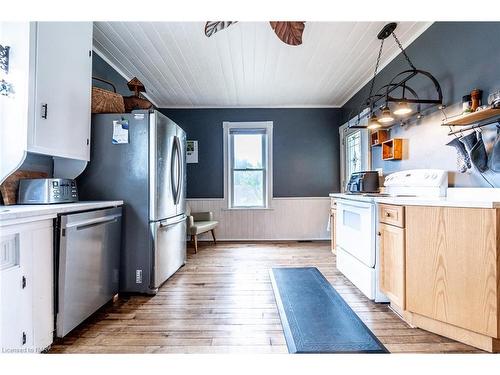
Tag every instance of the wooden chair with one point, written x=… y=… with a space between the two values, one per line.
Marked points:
x=198 y=223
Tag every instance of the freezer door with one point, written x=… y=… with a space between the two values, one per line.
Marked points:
x=182 y=184
x=169 y=245
x=162 y=162
x=88 y=265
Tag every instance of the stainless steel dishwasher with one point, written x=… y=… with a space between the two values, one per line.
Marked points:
x=88 y=263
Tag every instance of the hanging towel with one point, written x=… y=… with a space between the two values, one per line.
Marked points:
x=469 y=141
x=463 y=160
x=478 y=154
x=495 y=153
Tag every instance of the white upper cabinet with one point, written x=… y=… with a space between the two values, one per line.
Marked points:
x=60 y=123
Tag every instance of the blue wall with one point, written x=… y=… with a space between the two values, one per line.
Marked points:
x=305 y=148
x=101 y=69
x=462 y=56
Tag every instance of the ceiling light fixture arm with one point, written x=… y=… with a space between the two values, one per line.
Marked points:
x=403 y=83
x=375 y=72
x=400 y=81
x=381 y=93
x=402 y=50
x=392 y=86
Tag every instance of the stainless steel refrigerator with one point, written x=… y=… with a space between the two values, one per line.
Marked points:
x=145 y=166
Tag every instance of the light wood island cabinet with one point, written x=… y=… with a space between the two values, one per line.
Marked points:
x=452 y=273
x=440 y=269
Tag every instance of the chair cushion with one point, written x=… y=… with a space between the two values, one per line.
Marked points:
x=202 y=216
x=202 y=227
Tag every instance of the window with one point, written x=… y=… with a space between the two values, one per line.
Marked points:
x=353 y=152
x=247 y=168
x=354 y=149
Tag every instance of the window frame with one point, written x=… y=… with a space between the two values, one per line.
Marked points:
x=267 y=128
x=344 y=132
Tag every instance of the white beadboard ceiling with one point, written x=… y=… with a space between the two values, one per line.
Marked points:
x=246 y=65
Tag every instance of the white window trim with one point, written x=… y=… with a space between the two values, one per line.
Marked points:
x=266 y=125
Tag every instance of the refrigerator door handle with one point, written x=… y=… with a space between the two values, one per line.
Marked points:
x=179 y=169
x=172 y=174
x=170 y=222
x=89 y=223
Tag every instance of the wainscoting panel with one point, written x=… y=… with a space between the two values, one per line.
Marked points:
x=287 y=219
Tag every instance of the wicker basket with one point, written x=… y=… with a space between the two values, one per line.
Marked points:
x=105 y=101
x=134 y=102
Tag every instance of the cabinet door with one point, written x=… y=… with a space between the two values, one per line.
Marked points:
x=452 y=262
x=26 y=286
x=392 y=263
x=11 y=329
x=16 y=333
x=61 y=118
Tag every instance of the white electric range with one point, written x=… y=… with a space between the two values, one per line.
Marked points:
x=357 y=225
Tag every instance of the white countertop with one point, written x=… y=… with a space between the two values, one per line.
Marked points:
x=456 y=197
x=20 y=211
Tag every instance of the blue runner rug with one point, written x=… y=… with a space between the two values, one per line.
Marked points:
x=314 y=316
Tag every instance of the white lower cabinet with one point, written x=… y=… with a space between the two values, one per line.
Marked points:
x=26 y=286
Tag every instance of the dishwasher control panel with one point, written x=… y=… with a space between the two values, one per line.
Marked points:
x=47 y=191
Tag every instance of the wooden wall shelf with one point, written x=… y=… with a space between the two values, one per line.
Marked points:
x=472 y=118
x=378 y=136
x=392 y=149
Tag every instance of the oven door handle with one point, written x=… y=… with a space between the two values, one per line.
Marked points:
x=362 y=205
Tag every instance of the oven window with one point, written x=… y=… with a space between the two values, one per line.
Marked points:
x=352 y=220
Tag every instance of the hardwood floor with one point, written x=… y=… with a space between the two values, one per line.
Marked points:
x=221 y=301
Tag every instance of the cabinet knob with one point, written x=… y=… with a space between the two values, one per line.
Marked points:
x=379 y=234
x=387 y=214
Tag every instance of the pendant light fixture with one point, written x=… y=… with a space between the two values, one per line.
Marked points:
x=373 y=122
x=386 y=116
x=403 y=108
x=398 y=90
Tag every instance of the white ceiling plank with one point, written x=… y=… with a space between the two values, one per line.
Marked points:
x=108 y=53
x=168 y=65
x=128 y=58
x=246 y=65
x=159 y=69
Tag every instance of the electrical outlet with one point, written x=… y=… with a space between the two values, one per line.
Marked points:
x=138 y=276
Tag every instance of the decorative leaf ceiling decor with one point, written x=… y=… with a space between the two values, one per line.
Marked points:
x=289 y=32
x=211 y=27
